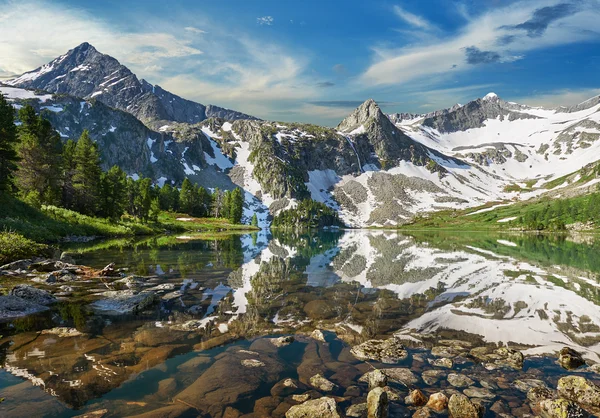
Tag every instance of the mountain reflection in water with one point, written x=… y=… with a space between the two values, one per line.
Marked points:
x=536 y=292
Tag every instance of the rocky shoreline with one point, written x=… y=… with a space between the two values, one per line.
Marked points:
x=324 y=372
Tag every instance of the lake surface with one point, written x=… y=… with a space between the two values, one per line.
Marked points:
x=224 y=297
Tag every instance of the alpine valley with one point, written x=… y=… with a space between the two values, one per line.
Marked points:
x=374 y=169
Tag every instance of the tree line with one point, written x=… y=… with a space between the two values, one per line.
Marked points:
x=557 y=214
x=36 y=166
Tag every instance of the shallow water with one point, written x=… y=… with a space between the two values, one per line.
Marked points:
x=533 y=293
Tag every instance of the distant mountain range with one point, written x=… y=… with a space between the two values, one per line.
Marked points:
x=376 y=169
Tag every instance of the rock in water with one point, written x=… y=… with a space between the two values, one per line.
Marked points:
x=579 y=389
x=415 y=398
x=31 y=294
x=321 y=408
x=460 y=380
x=319 y=382
x=377 y=403
x=570 y=359
x=437 y=402
x=461 y=407
x=375 y=378
x=318 y=335
x=124 y=302
x=282 y=341
x=13 y=307
x=388 y=351
x=358 y=410
x=109 y=271
x=561 y=408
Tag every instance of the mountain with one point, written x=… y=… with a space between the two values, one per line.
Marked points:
x=375 y=169
x=86 y=73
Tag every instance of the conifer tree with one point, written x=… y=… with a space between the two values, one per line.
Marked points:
x=39 y=149
x=186 y=197
x=86 y=176
x=254 y=221
x=113 y=193
x=236 y=206
x=8 y=140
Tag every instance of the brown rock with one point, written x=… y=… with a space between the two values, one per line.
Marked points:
x=415 y=398
x=438 y=402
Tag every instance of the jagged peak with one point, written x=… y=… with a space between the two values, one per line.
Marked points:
x=491 y=96
x=368 y=110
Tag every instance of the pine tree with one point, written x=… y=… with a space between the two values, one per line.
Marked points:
x=217 y=203
x=86 y=176
x=68 y=170
x=154 y=210
x=186 y=197
x=254 y=221
x=236 y=206
x=144 y=198
x=113 y=193
x=8 y=140
x=39 y=149
x=165 y=197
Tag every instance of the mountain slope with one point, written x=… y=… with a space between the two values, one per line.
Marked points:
x=84 y=72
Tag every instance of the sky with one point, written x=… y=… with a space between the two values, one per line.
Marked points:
x=315 y=60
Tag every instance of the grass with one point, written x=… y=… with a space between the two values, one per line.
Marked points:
x=28 y=229
x=468 y=219
x=14 y=246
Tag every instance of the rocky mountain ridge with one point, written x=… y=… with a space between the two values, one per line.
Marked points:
x=87 y=73
x=375 y=169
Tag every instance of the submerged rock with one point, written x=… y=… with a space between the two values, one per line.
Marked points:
x=579 y=389
x=460 y=380
x=252 y=363
x=377 y=403
x=285 y=387
x=13 y=307
x=561 y=408
x=461 y=407
x=358 y=410
x=388 y=351
x=322 y=407
x=32 y=294
x=401 y=375
x=570 y=359
x=63 y=332
x=537 y=394
x=124 y=302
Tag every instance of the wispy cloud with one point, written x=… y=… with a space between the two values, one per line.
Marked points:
x=26 y=43
x=563 y=97
x=265 y=20
x=413 y=19
x=194 y=30
x=498 y=35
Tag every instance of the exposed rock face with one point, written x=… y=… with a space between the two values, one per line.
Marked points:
x=33 y=295
x=84 y=72
x=14 y=307
x=377 y=403
x=561 y=408
x=322 y=407
x=119 y=302
x=389 y=351
x=461 y=407
x=570 y=359
x=579 y=389
x=474 y=114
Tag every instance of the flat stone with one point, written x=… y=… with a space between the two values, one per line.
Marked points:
x=460 y=380
x=252 y=363
x=389 y=351
x=401 y=375
x=319 y=382
x=322 y=407
x=32 y=294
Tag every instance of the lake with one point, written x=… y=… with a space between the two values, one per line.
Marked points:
x=209 y=343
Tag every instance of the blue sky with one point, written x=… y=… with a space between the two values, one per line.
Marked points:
x=314 y=61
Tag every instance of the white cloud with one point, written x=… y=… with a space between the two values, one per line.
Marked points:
x=561 y=97
x=413 y=19
x=27 y=41
x=194 y=30
x=479 y=41
x=265 y=20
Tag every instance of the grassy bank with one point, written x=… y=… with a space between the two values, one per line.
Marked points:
x=25 y=230
x=541 y=215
